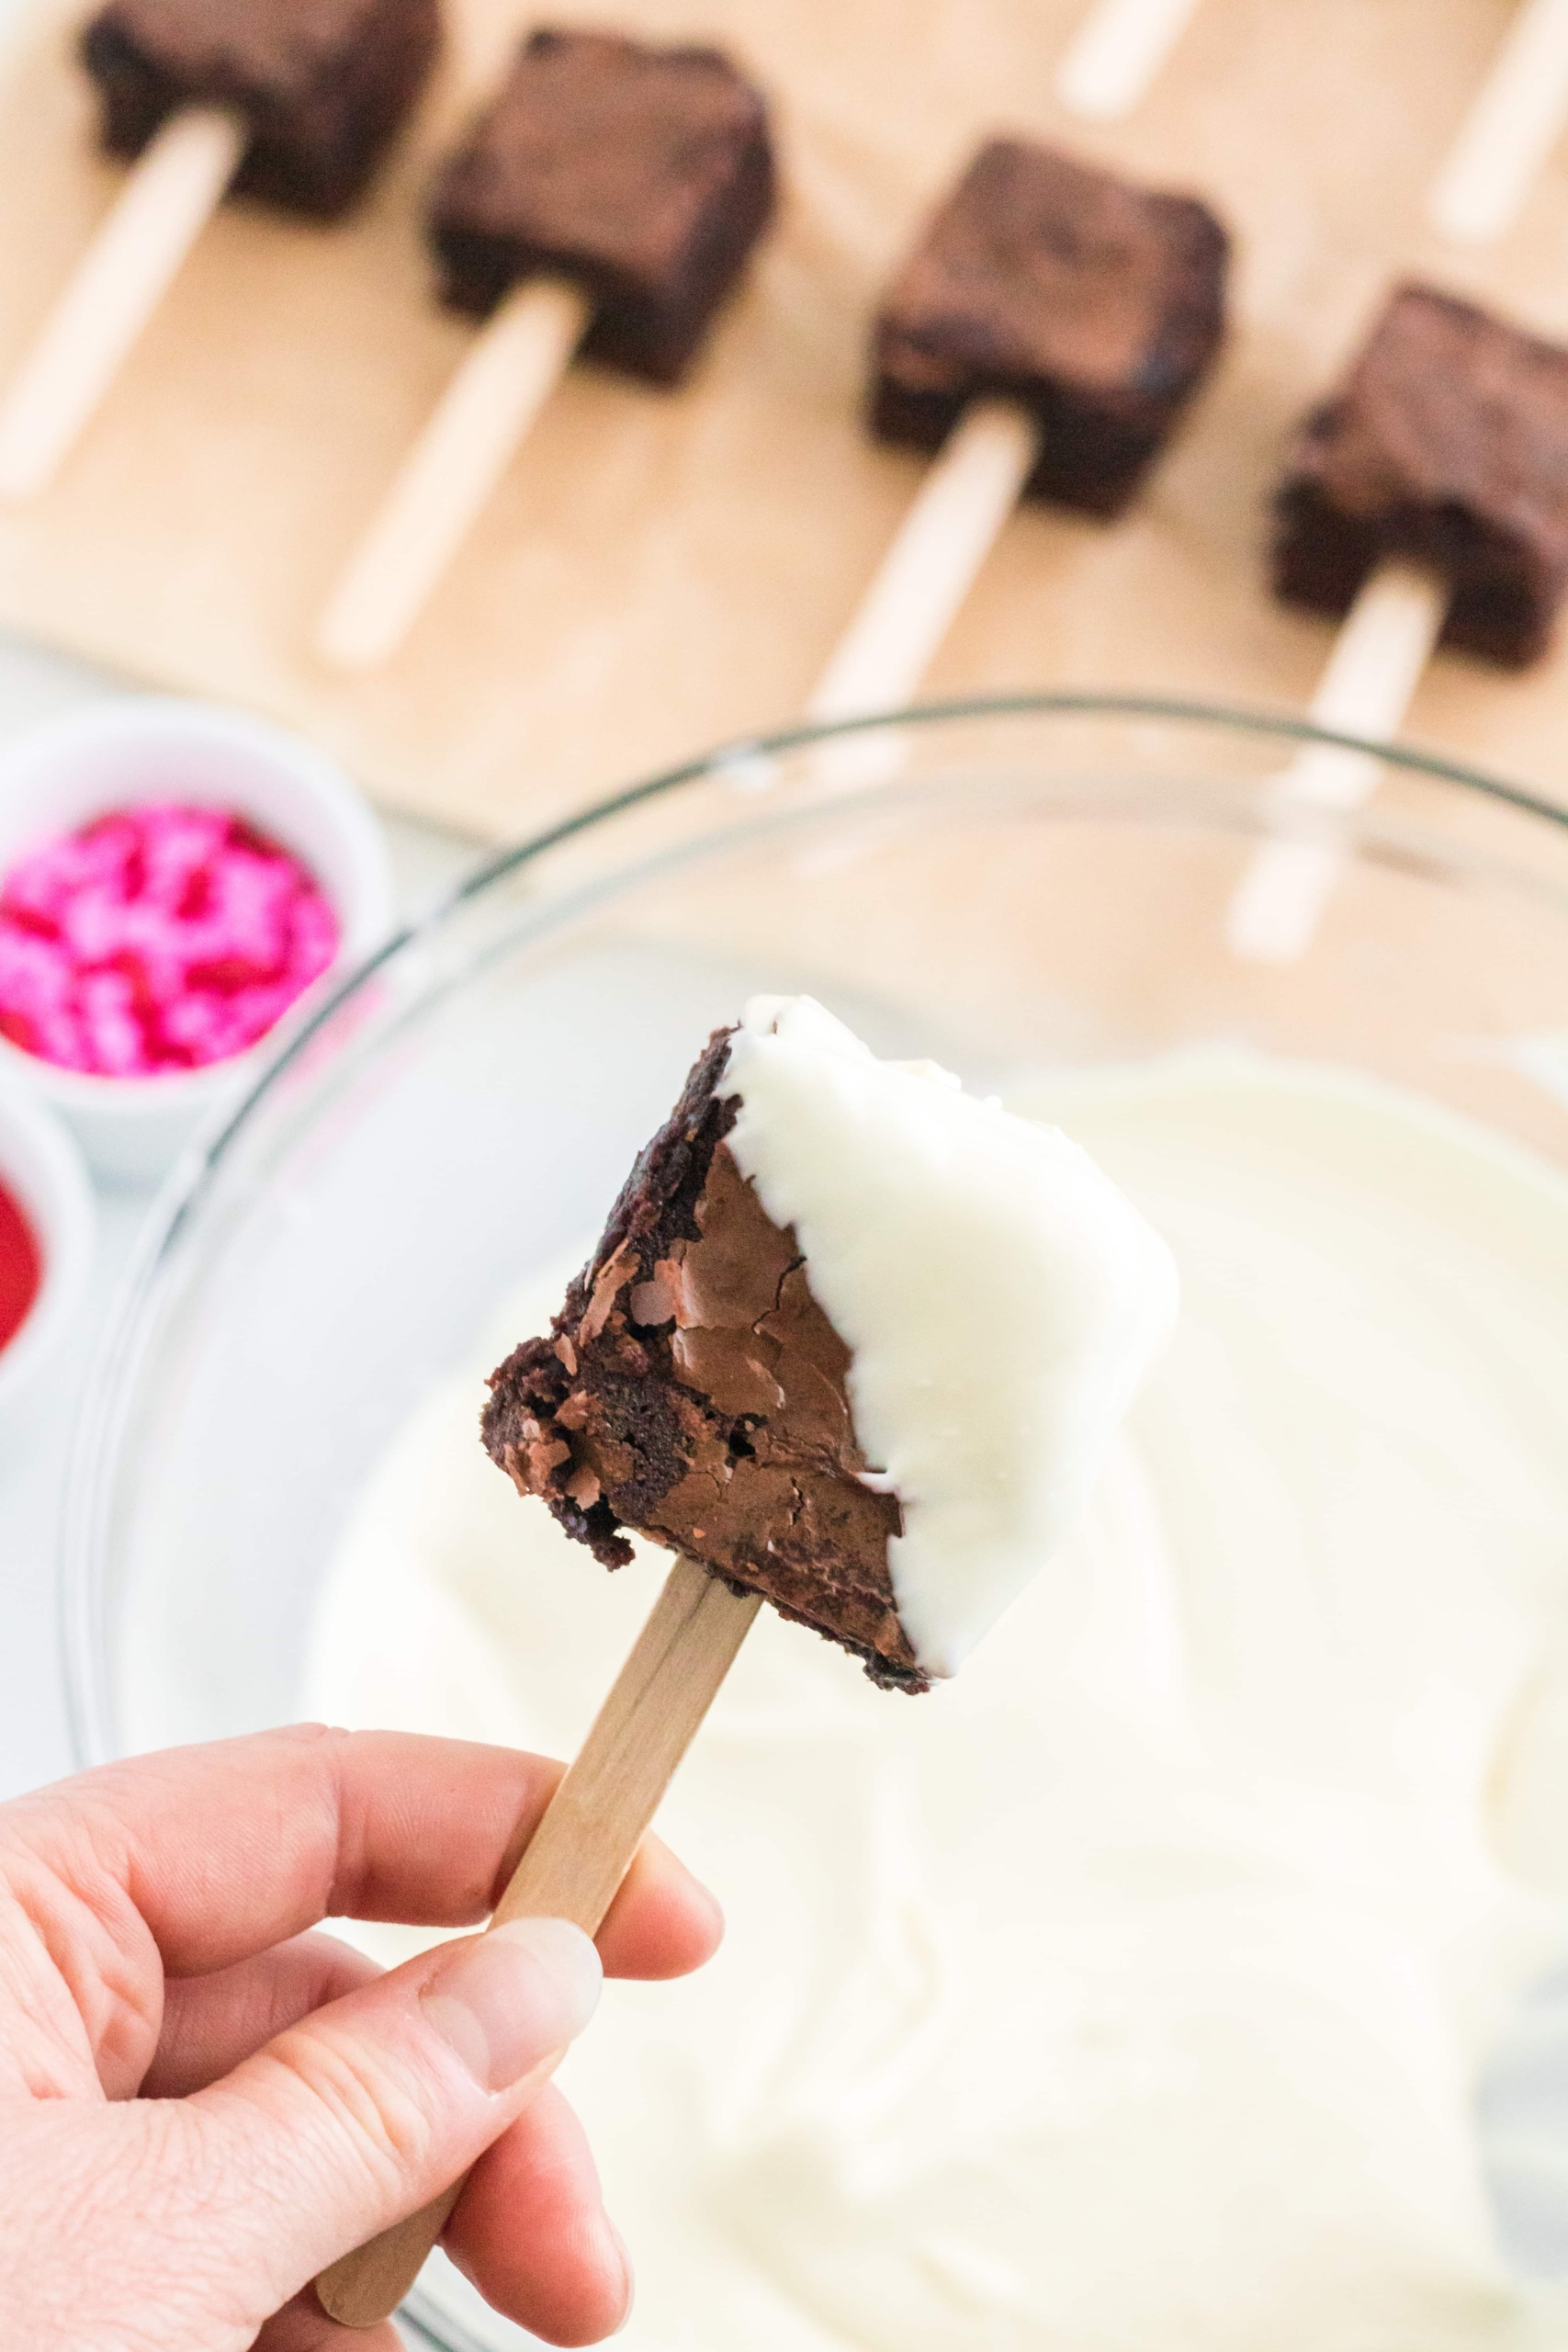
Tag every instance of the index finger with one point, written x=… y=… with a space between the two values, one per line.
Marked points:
x=224 y=1851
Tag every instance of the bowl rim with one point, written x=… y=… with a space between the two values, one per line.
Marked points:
x=104 y=1394
x=736 y=754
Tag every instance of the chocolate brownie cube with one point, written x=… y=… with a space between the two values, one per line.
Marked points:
x=693 y=1389
x=1097 y=305
x=644 y=175
x=1447 y=444
x=323 y=84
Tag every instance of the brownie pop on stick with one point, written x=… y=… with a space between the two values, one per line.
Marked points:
x=1041 y=342
x=1427 y=501
x=853 y=1342
x=606 y=200
x=291 y=101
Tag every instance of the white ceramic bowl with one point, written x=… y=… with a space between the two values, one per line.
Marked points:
x=42 y=1170
x=70 y=769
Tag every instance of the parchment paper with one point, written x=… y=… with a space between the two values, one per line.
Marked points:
x=659 y=573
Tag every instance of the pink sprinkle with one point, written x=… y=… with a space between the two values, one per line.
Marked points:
x=158 y=937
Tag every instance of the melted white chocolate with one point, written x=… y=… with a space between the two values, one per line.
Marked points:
x=1124 y=1994
x=1000 y=1299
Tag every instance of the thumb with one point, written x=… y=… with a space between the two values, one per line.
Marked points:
x=371 y=2106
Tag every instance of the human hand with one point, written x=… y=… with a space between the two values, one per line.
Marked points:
x=202 y=2105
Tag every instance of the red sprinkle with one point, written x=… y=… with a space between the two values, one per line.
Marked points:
x=160 y=937
x=21 y=1268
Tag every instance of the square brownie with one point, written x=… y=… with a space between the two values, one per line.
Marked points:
x=645 y=175
x=693 y=1389
x=1447 y=444
x=323 y=84
x=1096 y=304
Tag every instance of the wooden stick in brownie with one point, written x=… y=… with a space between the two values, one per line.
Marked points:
x=289 y=101
x=1505 y=140
x=1427 y=500
x=607 y=200
x=1116 y=53
x=1041 y=342
x=853 y=1342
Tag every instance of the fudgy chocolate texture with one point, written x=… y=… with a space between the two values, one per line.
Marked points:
x=1097 y=305
x=644 y=174
x=1446 y=442
x=321 y=84
x=692 y=1388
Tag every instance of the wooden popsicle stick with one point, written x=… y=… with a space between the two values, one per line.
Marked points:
x=452 y=469
x=581 y=1850
x=170 y=194
x=1116 y=53
x=951 y=525
x=1509 y=130
x=1383 y=645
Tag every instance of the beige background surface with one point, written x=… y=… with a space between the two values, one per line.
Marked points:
x=659 y=573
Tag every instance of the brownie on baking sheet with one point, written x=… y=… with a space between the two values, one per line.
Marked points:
x=1096 y=304
x=323 y=83
x=644 y=174
x=1447 y=443
x=693 y=1389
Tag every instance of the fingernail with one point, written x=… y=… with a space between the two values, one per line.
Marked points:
x=714 y=1909
x=628 y=2282
x=515 y=1997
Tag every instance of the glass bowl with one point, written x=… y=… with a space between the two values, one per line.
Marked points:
x=996 y=884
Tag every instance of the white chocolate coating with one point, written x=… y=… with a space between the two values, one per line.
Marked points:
x=1001 y=1299
x=1124 y=1994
